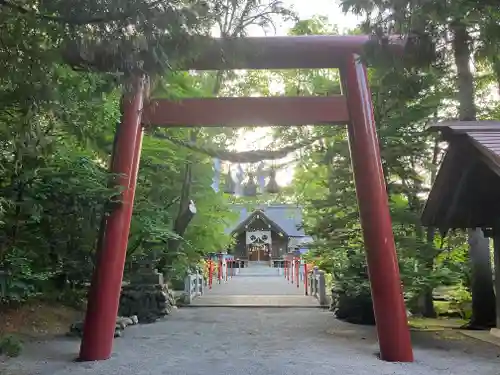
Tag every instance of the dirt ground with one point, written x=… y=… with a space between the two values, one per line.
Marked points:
x=37 y=319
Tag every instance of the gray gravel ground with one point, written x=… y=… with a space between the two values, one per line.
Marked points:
x=227 y=341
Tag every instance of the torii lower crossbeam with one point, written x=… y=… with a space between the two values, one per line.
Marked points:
x=254 y=111
x=355 y=110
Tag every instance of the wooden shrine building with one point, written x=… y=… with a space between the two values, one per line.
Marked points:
x=267 y=232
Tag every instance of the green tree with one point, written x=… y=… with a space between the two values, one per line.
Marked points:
x=432 y=25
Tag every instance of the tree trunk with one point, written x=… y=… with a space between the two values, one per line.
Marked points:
x=426 y=303
x=181 y=223
x=495 y=61
x=465 y=79
x=483 y=297
x=426 y=298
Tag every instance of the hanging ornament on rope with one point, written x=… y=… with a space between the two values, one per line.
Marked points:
x=217 y=174
x=238 y=181
x=229 y=185
x=261 y=175
x=272 y=186
x=250 y=188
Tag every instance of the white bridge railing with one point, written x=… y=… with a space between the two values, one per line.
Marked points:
x=193 y=286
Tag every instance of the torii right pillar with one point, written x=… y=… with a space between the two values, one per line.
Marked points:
x=388 y=303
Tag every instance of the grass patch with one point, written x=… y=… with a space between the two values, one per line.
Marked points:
x=428 y=324
x=10 y=345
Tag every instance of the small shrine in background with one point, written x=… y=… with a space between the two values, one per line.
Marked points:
x=267 y=233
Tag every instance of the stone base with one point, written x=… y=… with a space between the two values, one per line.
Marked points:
x=76 y=329
x=148 y=302
x=495 y=332
x=147 y=277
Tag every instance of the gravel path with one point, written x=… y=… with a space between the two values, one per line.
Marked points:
x=255 y=341
x=225 y=341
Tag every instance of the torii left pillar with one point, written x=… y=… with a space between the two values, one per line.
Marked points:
x=104 y=294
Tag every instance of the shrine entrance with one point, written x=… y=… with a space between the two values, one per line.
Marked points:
x=353 y=109
x=258 y=253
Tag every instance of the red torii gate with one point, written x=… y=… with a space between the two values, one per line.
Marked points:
x=354 y=109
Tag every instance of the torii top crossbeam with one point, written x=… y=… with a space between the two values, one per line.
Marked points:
x=288 y=52
x=283 y=52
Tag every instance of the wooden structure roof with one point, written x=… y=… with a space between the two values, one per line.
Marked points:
x=466 y=193
x=286 y=218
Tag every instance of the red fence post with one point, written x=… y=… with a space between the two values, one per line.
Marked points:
x=292 y=268
x=210 y=273
x=219 y=270
x=297 y=270
x=105 y=289
x=306 y=279
x=388 y=303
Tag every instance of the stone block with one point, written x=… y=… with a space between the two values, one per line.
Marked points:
x=148 y=302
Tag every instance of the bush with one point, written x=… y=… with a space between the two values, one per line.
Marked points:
x=351 y=293
x=10 y=346
x=458 y=304
x=177 y=283
x=353 y=308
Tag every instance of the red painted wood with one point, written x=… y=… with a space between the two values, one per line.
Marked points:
x=252 y=111
x=388 y=302
x=281 y=52
x=306 y=276
x=210 y=273
x=219 y=270
x=104 y=294
x=297 y=271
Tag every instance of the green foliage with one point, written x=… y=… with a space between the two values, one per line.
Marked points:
x=10 y=346
x=57 y=127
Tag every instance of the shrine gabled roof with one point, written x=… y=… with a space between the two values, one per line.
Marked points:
x=466 y=192
x=287 y=217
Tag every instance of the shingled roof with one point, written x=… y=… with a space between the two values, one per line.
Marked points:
x=287 y=217
x=466 y=193
x=485 y=135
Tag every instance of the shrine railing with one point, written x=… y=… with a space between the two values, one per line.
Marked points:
x=317 y=285
x=193 y=286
